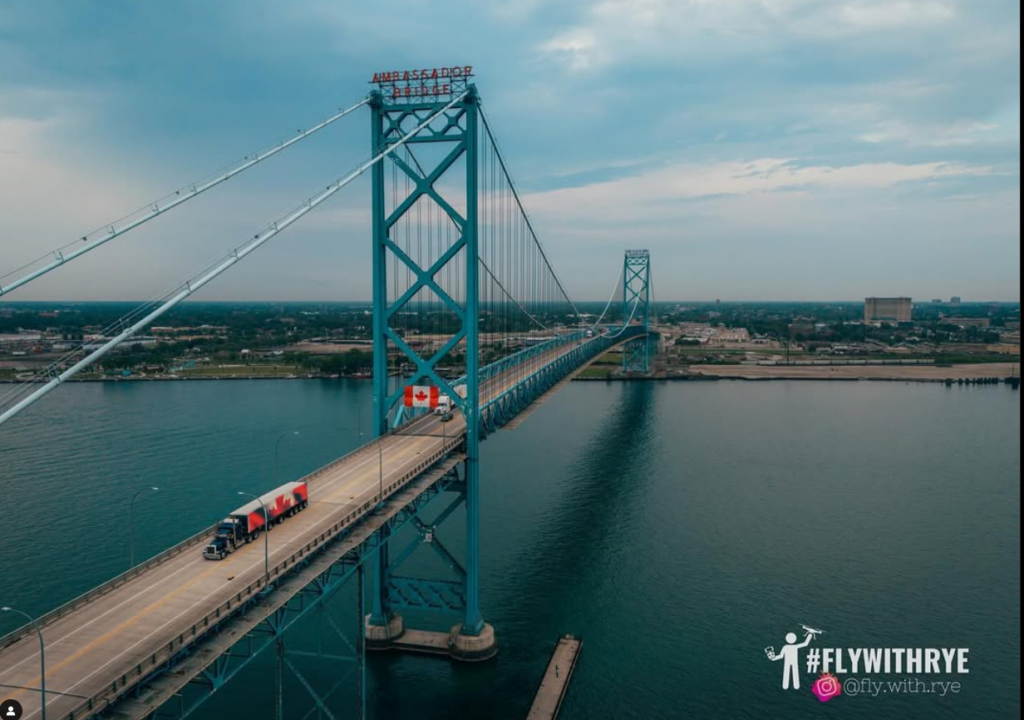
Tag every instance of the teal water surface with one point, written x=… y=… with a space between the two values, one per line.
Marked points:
x=678 y=528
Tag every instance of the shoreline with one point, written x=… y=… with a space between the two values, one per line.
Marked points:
x=961 y=377
x=982 y=373
x=739 y=378
x=113 y=381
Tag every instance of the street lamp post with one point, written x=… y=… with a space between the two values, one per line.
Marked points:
x=131 y=524
x=42 y=654
x=266 y=534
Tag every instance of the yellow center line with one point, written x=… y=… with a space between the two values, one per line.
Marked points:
x=355 y=468
x=163 y=601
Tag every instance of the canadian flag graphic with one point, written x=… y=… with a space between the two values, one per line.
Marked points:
x=420 y=396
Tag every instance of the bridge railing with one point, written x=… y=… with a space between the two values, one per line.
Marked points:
x=157 y=560
x=597 y=343
x=518 y=358
x=156 y=662
x=592 y=346
x=106 y=587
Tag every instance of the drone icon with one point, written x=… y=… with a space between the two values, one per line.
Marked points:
x=812 y=632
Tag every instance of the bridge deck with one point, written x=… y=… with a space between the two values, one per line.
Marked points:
x=106 y=645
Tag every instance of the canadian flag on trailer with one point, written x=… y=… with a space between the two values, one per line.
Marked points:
x=421 y=396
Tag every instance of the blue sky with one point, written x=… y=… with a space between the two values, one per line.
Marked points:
x=762 y=149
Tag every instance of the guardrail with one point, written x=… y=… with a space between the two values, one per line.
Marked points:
x=596 y=346
x=143 y=670
x=101 y=590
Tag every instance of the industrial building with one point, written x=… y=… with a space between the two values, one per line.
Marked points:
x=967 y=322
x=894 y=310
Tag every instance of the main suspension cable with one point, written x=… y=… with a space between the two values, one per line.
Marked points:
x=197 y=282
x=625 y=325
x=615 y=291
x=526 y=217
x=67 y=253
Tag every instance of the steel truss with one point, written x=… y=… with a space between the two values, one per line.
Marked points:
x=503 y=409
x=458 y=132
x=636 y=299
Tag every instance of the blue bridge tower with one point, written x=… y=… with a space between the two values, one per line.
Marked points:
x=636 y=302
x=446 y=283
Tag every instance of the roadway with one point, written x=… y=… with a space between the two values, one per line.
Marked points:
x=112 y=640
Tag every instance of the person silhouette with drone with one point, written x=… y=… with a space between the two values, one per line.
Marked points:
x=791 y=654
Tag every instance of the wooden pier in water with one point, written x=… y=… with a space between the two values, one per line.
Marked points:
x=555 y=685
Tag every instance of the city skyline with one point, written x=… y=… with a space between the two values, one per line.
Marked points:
x=770 y=150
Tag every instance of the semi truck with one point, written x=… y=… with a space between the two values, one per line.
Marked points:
x=445 y=406
x=247 y=522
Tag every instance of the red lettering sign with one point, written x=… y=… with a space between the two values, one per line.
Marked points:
x=424 y=82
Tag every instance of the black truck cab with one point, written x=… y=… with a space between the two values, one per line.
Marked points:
x=229 y=536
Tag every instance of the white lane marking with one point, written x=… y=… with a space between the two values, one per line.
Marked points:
x=349 y=470
x=328 y=520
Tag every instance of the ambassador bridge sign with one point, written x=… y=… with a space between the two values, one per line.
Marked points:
x=423 y=84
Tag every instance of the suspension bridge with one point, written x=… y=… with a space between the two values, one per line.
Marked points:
x=465 y=300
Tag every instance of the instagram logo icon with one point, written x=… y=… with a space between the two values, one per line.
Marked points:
x=827 y=687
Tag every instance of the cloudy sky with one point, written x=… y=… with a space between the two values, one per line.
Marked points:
x=762 y=149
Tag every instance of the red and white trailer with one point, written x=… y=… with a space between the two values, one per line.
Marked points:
x=247 y=522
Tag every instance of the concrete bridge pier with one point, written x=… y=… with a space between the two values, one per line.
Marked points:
x=381 y=636
x=455 y=645
x=473 y=648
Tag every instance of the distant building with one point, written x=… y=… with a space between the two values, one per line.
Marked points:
x=966 y=322
x=20 y=338
x=956 y=300
x=895 y=310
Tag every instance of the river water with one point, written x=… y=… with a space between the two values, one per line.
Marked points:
x=680 y=529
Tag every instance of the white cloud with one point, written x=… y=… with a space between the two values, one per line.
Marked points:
x=50 y=198
x=576 y=48
x=957 y=134
x=888 y=15
x=770 y=79
x=840 y=236
x=625 y=30
x=666 y=190
x=516 y=10
x=43 y=193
